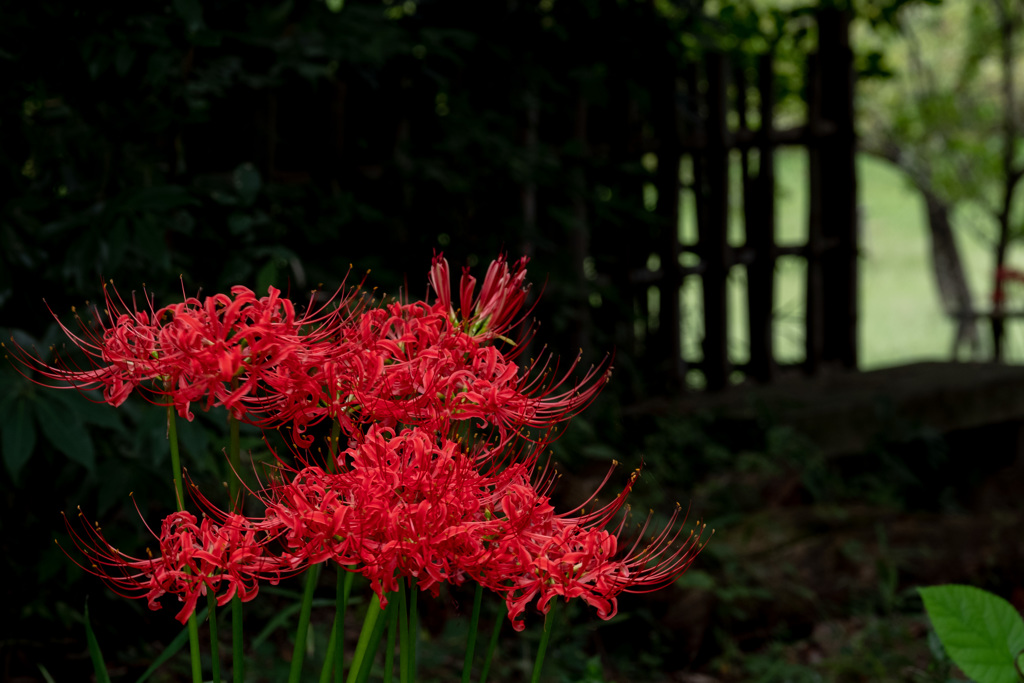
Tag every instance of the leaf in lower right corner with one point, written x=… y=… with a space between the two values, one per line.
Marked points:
x=982 y=633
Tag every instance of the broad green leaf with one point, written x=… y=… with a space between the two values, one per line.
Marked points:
x=19 y=436
x=67 y=433
x=195 y=442
x=982 y=633
x=90 y=408
x=267 y=276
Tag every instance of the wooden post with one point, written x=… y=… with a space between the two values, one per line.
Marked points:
x=838 y=192
x=759 y=219
x=713 y=231
x=814 y=302
x=579 y=236
x=669 y=336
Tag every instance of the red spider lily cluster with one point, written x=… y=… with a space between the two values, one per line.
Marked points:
x=441 y=477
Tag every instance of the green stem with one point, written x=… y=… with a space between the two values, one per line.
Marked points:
x=366 y=668
x=474 y=623
x=549 y=624
x=235 y=457
x=373 y=611
x=172 y=438
x=336 y=646
x=340 y=610
x=403 y=634
x=193 y=645
x=193 y=627
x=234 y=491
x=211 y=599
x=333 y=447
x=414 y=629
x=237 y=643
x=325 y=673
x=299 y=653
x=389 y=648
x=342 y=587
x=499 y=620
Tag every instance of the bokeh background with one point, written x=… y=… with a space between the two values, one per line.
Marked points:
x=192 y=145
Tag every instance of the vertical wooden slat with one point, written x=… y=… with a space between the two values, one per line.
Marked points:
x=579 y=236
x=697 y=121
x=528 y=193
x=838 y=191
x=760 y=228
x=814 y=302
x=668 y=339
x=529 y=206
x=713 y=232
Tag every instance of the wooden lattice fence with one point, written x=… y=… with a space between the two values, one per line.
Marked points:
x=694 y=127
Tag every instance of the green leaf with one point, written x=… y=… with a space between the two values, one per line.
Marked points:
x=19 y=436
x=46 y=674
x=158 y=198
x=90 y=408
x=67 y=433
x=191 y=12
x=172 y=649
x=123 y=60
x=982 y=633
x=247 y=182
x=239 y=223
x=98 y=665
x=282 y=617
x=267 y=276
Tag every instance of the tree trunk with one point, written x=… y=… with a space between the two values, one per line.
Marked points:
x=949 y=275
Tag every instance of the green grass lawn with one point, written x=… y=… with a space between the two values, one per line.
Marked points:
x=901 y=319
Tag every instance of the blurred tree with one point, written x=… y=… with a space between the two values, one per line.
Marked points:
x=950 y=117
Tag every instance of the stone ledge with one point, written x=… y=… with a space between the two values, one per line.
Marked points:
x=843 y=413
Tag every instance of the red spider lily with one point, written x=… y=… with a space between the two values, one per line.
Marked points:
x=218 y=350
x=227 y=559
x=413 y=504
x=583 y=561
x=123 y=352
x=227 y=350
x=402 y=504
x=541 y=555
x=409 y=364
x=431 y=372
x=493 y=312
x=415 y=493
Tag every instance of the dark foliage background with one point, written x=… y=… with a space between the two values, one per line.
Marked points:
x=187 y=145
